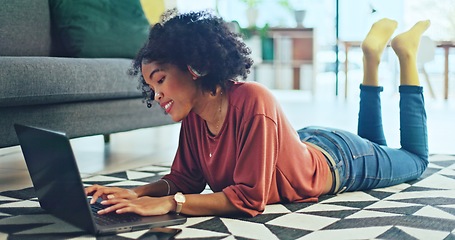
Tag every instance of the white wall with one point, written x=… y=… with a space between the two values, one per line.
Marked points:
x=356 y=17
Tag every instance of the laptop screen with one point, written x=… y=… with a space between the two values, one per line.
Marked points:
x=58 y=185
x=55 y=176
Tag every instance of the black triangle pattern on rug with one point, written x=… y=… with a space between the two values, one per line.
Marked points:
x=396 y=233
x=379 y=194
x=287 y=233
x=334 y=214
x=263 y=218
x=214 y=224
x=118 y=175
x=23 y=194
x=400 y=210
x=420 y=209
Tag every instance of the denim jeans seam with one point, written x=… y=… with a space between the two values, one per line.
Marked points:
x=343 y=179
x=392 y=179
x=351 y=144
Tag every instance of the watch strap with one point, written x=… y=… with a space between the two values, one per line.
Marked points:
x=178 y=209
x=179 y=199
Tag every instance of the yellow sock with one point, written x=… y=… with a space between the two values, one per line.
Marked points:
x=373 y=45
x=405 y=46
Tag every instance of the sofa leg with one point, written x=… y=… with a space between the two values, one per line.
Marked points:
x=107 y=138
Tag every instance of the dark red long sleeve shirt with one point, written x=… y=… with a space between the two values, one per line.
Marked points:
x=256 y=159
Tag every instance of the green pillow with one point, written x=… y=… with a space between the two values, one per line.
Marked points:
x=99 y=28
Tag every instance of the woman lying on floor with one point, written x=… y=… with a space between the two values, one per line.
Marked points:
x=235 y=137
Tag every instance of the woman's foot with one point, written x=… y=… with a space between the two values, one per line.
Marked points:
x=373 y=46
x=407 y=43
x=406 y=46
x=377 y=38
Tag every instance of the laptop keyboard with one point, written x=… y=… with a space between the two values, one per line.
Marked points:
x=112 y=218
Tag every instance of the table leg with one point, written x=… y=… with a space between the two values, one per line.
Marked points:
x=296 y=74
x=346 y=64
x=446 y=72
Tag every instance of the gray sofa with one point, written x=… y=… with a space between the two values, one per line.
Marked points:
x=80 y=96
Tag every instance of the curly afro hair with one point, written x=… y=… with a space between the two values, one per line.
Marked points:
x=197 y=39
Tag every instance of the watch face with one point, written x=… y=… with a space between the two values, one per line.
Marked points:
x=179 y=197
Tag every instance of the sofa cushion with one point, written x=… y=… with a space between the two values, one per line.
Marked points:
x=44 y=80
x=25 y=28
x=101 y=28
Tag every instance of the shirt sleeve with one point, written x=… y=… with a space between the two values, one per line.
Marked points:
x=186 y=171
x=255 y=166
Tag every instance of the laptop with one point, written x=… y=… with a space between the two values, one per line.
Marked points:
x=52 y=166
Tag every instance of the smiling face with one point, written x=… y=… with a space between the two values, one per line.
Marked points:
x=175 y=90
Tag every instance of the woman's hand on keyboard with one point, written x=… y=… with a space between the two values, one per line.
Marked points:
x=97 y=191
x=145 y=206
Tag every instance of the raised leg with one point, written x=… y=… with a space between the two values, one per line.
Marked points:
x=405 y=46
x=373 y=46
x=370 y=115
x=413 y=119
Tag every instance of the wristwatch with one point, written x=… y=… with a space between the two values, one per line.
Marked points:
x=180 y=200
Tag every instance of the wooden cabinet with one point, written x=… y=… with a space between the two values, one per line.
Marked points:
x=295 y=47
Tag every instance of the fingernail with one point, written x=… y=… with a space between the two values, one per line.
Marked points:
x=103 y=202
x=110 y=196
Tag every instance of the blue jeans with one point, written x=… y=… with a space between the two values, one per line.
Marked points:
x=363 y=161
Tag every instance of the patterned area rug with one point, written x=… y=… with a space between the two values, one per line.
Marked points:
x=423 y=209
